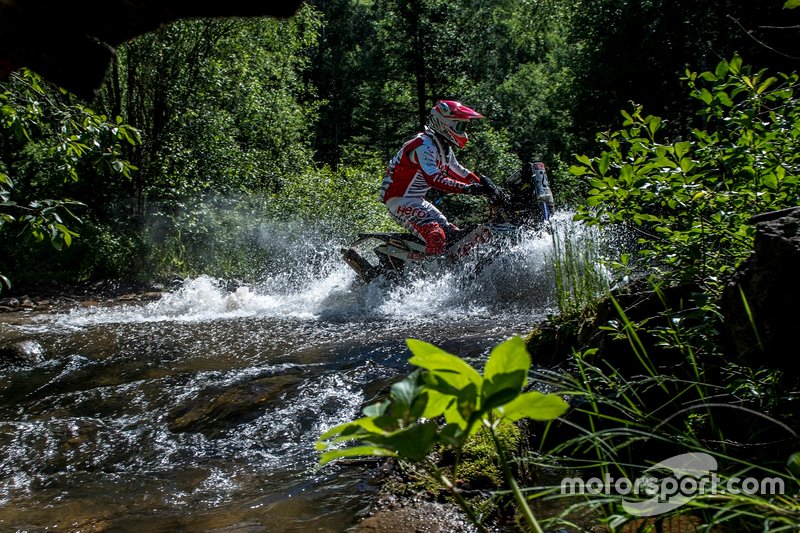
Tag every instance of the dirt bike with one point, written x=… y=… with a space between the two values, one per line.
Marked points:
x=525 y=201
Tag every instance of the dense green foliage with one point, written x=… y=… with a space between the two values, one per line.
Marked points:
x=672 y=384
x=52 y=146
x=691 y=201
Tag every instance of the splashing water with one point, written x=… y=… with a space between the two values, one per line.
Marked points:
x=518 y=283
x=200 y=410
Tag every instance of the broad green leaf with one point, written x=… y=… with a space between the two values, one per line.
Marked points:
x=534 y=405
x=593 y=201
x=356 y=451
x=414 y=442
x=724 y=99
x=376 y=409
x=793 y=464
x=437 y=403
x=766 y=84
x=604 y=163
x=736 y=64
x=506 y=370
x=454 y=370
x=626 y=173
x=654 y=124
x=452 y=416
x=352 y=428
x=578 y=171
x=792 y=4
x=405 y=392
x=682 y=148
x=722 y=69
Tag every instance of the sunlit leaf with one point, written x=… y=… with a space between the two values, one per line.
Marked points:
x=534 y=405
x=356 y=451
x=454 y=370
x=505 y=370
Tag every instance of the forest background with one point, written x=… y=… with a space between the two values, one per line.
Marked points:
x=207 y=133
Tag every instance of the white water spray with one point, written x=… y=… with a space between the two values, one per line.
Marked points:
x=311 y=281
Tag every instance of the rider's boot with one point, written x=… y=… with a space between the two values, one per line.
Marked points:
x=454 y=234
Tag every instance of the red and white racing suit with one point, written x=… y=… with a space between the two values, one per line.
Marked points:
x=423 y=163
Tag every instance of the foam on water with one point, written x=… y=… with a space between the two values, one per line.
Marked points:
x=520 y=280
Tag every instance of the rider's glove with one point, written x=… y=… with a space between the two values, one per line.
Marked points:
x=491 y=190
x=474 y=188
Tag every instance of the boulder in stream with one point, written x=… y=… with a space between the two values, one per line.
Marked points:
x=215 y=409
x=25 y=353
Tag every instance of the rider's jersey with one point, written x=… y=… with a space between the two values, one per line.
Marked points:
x=421 y=164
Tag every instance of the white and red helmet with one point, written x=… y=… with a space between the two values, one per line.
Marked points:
x=449 y=119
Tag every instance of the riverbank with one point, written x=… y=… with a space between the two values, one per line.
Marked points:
x=59 y=296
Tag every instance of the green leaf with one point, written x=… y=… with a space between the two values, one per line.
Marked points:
x=376 y=409
x=437 y=403
x=578 y=171
x=406 y=391
x=792 y=4
x=356 y=451
x=721 y=70
x=793 y=464
x=414 y=442
x=766 y=84
x=604 y=163
x=736 y=64
x=594 y=200
x=653 y=125
x=453 y=370
x=361 y=425
x=506 y=370
x=682 y=148
x=534 y=405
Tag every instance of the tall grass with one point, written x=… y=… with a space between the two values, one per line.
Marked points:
x=625 y=421
x=578 y=265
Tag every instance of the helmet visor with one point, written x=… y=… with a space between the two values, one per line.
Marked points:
x=460 y=126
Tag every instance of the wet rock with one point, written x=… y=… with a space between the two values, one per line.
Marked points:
x=214 y=410
x=422 y=516
x=9 y=304
x=26 y=352
x=768 y=280
x=152 y=295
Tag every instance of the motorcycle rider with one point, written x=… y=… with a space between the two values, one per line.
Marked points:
x=428 y=161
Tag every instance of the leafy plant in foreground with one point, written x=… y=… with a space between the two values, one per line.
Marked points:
x=405 y=425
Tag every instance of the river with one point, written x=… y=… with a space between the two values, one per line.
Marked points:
x=199 y=411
